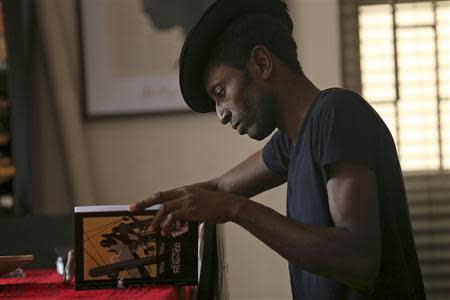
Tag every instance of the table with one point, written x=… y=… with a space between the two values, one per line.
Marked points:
x=47 y=284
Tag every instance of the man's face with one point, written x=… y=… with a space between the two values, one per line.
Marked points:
x=241 y=101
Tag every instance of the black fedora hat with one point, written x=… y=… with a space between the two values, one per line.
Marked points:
x=201 y=38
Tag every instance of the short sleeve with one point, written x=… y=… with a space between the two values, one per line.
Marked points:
x=276 y=154
x=346 y=131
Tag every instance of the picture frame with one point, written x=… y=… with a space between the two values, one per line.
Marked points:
x=130 y=54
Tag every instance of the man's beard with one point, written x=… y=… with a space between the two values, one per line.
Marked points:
x=260 y=111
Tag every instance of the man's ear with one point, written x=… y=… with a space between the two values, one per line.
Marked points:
x=261 y=60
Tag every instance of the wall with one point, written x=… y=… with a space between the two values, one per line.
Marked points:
x=317 y=31
x=131 y=158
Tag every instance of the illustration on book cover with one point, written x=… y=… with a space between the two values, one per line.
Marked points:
x=121 y=247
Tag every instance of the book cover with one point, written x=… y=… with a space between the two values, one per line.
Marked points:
x=113 y=248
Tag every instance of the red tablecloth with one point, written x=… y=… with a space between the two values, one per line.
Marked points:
x=47 y=284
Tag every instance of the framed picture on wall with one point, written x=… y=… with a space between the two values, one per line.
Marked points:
x=130 y=52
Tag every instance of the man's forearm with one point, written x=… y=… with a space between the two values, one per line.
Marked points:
x=248 y=178
x=332 y=252
x=212 y=185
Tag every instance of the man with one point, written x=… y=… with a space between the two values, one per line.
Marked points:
x=347 y=233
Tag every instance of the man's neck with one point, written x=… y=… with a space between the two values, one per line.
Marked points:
x=296 y=96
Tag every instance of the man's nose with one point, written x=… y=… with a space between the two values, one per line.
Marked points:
x=223 y=114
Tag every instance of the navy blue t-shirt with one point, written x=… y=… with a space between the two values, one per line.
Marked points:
x=341 y=126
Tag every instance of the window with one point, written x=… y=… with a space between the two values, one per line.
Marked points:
x=404 y=72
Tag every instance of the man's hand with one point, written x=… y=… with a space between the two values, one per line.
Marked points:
x=216 y=200
x=191 y=203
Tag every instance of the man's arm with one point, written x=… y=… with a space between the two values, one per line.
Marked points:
x=248 y=178
x=348 y=253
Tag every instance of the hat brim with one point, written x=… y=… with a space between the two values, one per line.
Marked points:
x=200 y=40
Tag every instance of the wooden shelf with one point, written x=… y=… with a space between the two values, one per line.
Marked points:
x=4 y=105
x=7 y=173
x=7 y=169
x=4 y=139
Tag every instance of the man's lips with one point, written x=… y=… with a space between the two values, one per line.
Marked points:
x=235 y=125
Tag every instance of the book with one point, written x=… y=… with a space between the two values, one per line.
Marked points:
x=113 y=248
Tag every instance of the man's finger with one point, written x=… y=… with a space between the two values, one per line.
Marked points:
x=170 y=220
x=158 y=198
x=164 y=210
x=143 y=204
x=157 y=219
